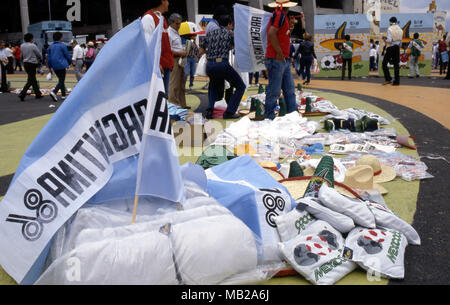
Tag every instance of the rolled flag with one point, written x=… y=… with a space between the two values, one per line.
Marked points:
x=261 y=89
x=323 y=174
x=283 y=107
x=295 y=170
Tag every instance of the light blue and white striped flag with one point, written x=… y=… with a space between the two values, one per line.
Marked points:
x=96 y=132
x=250 y=38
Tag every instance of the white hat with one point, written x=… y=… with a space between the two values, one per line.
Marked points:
x=381 y=173
x=361 y=177
x=284 y=3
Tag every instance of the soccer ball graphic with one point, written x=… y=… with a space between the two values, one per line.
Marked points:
x=372 y=240
x=313 y=248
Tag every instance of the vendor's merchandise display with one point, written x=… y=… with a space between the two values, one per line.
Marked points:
x=317 y=254
x=269 y=196
x=406 y=167
x=377 y=250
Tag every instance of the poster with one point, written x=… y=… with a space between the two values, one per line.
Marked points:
x=329 y=35
x=411 y=23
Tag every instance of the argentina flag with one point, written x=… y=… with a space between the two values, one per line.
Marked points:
x=251 y=39
x=94 y=135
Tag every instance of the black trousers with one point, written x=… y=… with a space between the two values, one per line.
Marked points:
x=347 y=62
x=31 y=80
x=61 y=74
x=392 y=56
x=442 y=66
x=4 y=84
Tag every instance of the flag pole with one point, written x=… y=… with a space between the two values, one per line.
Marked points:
x=136 y=200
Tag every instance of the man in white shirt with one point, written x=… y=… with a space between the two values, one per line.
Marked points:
x=177 y=82
x=373 y=58
x=77 y=59
x=3 y=64
x=393 y=42
x=9 y=55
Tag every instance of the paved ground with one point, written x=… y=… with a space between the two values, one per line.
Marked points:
x=421 y=105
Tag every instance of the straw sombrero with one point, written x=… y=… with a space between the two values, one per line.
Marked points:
x=361 y=177
x=297 y=187
x=284 y=3
x=381 y=173
x=274 y=173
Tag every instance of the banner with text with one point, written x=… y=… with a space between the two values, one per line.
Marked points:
x=97 y=127
x=250 y=37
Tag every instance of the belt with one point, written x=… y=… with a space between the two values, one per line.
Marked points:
x=79 y=59
x=218 y=59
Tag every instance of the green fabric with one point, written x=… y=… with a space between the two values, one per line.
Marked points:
x=283 y=107
x=260 y=89
x=259 y=109
x=414 y=51
x=214 y=155
x=308 y=108
x=295 y=170
x=324 y=173
x=253 y=104
x=345 y=53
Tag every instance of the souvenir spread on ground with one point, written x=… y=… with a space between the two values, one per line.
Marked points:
x=313 y=196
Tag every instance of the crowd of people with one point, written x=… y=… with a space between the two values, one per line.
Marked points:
x=27 y=56
x=180 y=55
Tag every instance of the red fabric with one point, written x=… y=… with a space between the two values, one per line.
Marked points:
x=218 y=112
x=281 y=22
x=16 y=52
x=442 y=46
x=166 y=60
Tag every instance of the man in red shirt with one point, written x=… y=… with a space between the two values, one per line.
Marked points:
x=17 y=57
x=157 y=8
x=278 y=60
x=442 y=48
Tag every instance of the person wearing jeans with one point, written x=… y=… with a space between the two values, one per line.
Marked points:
x=280 y=78
x=217 y=44
x=221 y=71
x=278 y=61
x=250 y=78
x=306 y=50
x=59 y=60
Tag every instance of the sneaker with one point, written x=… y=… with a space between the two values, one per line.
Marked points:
x=53 y=96
x=39 y=96
x=227 y=115
x=386 y=82
x=395 y=84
